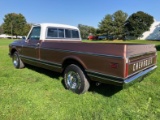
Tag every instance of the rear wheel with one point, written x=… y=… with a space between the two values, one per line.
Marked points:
x=75 y=79
x=17 y=62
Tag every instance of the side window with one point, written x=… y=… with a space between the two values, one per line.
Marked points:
x=71 y=33
x=61 y=33
x=35 y=34
x=75 y=34
x=52 y=32
x=55 y=33
x=68 y=33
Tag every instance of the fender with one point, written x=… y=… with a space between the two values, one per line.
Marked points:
x=75 y=58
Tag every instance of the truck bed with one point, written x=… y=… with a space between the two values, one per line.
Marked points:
x=113 y=49
x=133 y=57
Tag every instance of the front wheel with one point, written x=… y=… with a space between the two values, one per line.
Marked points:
x=17 y=62
x=75 y=79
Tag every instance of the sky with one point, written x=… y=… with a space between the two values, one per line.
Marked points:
x=74 y=12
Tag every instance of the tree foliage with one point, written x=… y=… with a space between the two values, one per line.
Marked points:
x=14 y=24
x=27 y=29
x=106 y=25
x=113 y=24
x=1 y=29
x=138 y=23
x=119 y=19
x=86 y=30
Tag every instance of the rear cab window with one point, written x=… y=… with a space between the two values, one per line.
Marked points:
x=55 y=33
x=61 y=33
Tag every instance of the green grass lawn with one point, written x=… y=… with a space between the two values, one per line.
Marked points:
x=37 y=94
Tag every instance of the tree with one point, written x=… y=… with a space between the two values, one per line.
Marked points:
x=113 y=24
x=106 y=25
x=119 y=19
x=86 y=30
x=14 y=24
x=1 y=29
x=138 y=23
x=27 y=28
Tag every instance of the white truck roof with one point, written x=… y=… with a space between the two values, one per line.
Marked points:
x=45 y=26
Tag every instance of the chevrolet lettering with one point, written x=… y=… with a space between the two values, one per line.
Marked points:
x=59 y=48
x=142 y=64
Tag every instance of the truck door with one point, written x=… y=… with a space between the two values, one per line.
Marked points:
x=31 y=45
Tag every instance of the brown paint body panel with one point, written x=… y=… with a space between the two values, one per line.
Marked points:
x=96 y=58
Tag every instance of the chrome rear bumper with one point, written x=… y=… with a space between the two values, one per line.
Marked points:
x=138 y=77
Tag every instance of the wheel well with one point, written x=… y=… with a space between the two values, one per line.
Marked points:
x=68 y=62
x=71 y=61
x=12 y=51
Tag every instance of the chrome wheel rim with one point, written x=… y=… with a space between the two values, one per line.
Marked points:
x=73 y=80
x=15 y=60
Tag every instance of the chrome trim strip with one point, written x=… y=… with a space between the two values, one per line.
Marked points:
x=86 y=53
x=125 y=82
x=31 y=46
x=42 y=61
x=105 y=78
x=97 y=74
x=133 y=78
x=137 y=55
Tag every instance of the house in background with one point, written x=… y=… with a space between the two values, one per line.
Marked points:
x=5 y=36
x=153 y=33
x=10 y=37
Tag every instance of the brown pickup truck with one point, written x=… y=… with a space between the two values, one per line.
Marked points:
x=59 y=48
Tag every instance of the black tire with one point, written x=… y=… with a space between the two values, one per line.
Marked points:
x=75 y=79
x=17 y=62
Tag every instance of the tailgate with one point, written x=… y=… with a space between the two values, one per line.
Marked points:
x=142 y=62
x=140 y=57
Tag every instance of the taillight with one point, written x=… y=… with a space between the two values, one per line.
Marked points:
x=126 y=70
